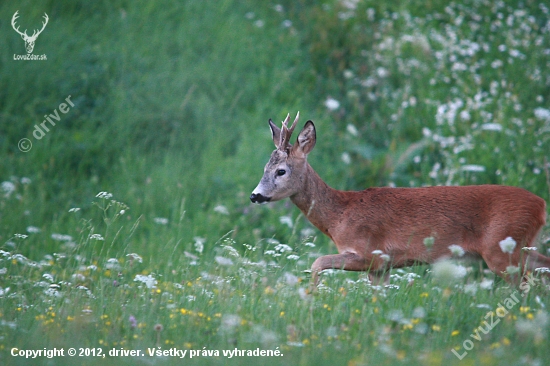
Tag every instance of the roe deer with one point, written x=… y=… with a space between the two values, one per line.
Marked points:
x=397 y=220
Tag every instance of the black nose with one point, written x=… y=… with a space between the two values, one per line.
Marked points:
x=258 y=198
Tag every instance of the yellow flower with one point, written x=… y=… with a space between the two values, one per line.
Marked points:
x=524 y=309
x=281 y=314
x=436 y=328
x=454 y=333
x=424 y=294
x=506 y=341
x=530 y=316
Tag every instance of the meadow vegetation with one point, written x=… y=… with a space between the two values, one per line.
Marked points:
x=128 y=224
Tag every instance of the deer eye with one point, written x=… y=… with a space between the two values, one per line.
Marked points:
x=281 y=172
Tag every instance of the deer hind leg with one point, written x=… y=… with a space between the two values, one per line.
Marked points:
x=526 y=260
x=536 y=260
x=346 y=261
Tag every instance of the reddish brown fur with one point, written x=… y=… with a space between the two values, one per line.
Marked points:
x=397 y=220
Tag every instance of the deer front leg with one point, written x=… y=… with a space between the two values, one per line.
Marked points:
x=347 y=261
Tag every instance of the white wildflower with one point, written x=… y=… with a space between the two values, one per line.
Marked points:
x=542 y=270
x=473 y=168
x=74 y=209
x=283 y=248
x=148 y=280
x=507 y=245
x=470 y=289
x=527 y=249
x=346 y=158
x=377 y=252
x=542 y=113
x=293 y=257
x=382 y=72
x=160 y=220
x=96 y=237
x=221 y=209
x=491 y=127
x=113 y=264
x=61 y=237
x=33 y=229
x=105 y=195
x=21 y=236
x=8 y=188
x=465 y=115
x=456 y=250
x=290 y=279
x=447 y=271
x=229 y=322
x=231 y=251
x=332 y=104
x=199 y=243
x=486 y=284
x=352 y=130
x=134 y=257
x=286 y=220
x=223 y=261
x=307 y=232
x=310 y=244
x=385 y=257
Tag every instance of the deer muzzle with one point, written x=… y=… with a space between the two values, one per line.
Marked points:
x=259 y=198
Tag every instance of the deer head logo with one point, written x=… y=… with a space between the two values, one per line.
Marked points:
x=29 y=40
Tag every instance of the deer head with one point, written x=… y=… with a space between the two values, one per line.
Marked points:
x=29 y=40
x=285 y=171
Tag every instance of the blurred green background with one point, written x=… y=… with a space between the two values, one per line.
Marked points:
x=172 y=100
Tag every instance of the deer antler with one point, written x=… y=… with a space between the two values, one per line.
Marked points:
x=287 y=132
x=43 y=26
x=24 y=34
x=13 y=19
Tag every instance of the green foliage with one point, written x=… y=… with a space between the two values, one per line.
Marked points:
x=171 y=107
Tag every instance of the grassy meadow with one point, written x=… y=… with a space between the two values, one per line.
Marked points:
x=127 y=225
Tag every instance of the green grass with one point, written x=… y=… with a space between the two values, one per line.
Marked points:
x=170 y=116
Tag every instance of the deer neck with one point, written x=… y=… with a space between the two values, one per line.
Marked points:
x=317 y=201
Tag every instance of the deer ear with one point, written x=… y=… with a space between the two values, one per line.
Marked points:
x=275 y=133
x=306 y=139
